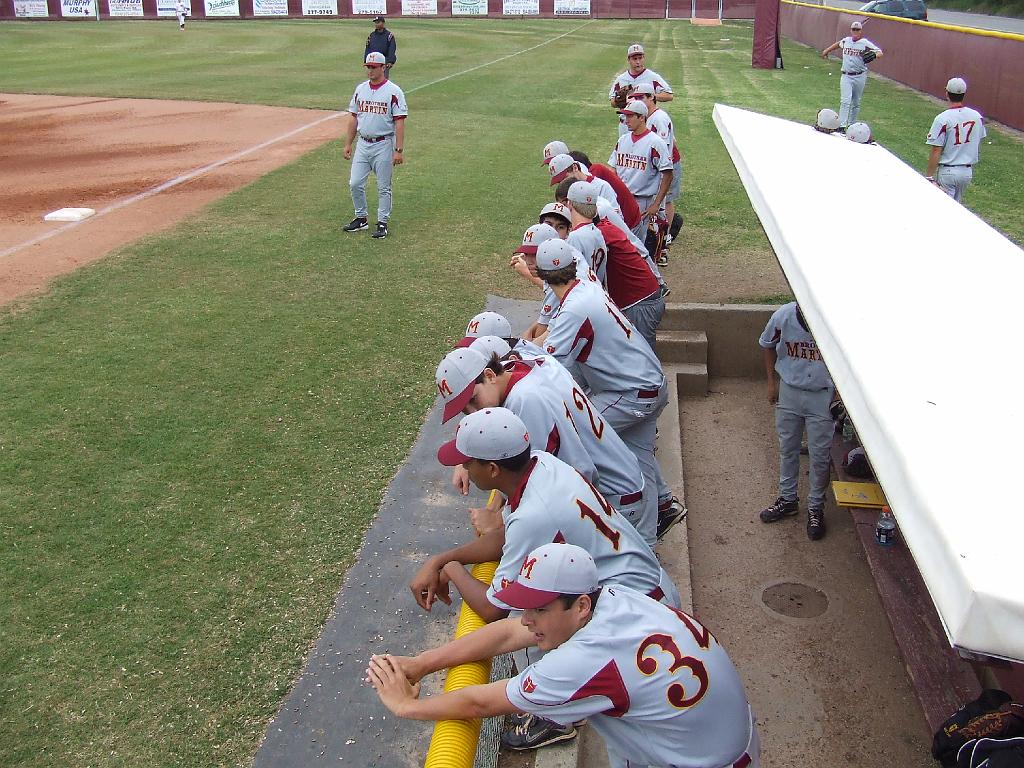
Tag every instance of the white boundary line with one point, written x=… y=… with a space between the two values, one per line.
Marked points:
x=242 y=153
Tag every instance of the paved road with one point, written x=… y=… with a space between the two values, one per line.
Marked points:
x=974 y=20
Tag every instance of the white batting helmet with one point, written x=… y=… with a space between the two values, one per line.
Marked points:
x=827 y=120
x=859 y=132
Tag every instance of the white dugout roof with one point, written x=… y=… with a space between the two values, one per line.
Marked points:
x=915 y=304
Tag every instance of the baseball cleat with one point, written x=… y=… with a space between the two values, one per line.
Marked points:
x=533 y=732
x=662 y=259
x=381 y=232
x=356 y=225
x=665 y=291
x=815 y=524
x=672 y=513
x=779 y=509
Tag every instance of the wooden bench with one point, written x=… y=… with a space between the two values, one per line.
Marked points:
x=941 y=679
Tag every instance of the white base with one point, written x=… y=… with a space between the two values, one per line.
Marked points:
x=69 y=214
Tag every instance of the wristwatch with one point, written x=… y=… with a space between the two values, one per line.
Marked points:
x=398 y=149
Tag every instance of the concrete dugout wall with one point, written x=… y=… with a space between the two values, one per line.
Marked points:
x=925 y=55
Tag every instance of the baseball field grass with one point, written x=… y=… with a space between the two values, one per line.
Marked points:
x=195 y=432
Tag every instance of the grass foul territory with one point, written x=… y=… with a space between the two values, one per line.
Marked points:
x=195 y=432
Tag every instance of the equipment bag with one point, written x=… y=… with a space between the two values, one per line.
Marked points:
x=991 y=716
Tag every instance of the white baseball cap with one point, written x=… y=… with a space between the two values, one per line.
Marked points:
x=375 y=57
x=555 y=254
x=583 y=192
x=489 y=346
x=827 y=120
x=553 y=148
x=456 y=378
x=534 y=236
x=856 y=25
x=559 y=167
x=646 y=89
x=859 y=132
x=634 y=49
x=636 y=107
x=956 y=85
x=491 y=434
x=549 y=571
x=485 y=324
x=556 y=209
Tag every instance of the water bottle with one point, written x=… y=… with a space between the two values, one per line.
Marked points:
x=885 y=531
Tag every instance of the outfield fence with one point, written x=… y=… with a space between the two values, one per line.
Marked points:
x=924 y=55
x=93 y=10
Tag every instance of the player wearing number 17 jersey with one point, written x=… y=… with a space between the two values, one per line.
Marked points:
x=652 y=680
x=955 y=138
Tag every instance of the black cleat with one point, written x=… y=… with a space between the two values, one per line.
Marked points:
x=672 y=513
x=381 y=232
x=356 y=225
x=779 y=509
x=533 y=732
x=815 y=524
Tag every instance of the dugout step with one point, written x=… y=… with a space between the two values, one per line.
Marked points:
x=691 y=378
x=942 y=681
x=683 y=346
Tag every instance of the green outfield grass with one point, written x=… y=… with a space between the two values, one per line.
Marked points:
x=195 y=432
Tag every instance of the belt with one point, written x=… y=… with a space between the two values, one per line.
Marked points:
x=950 y=165
x=854 y=74
x=375 y=139
x=630 y=498
x=656 y=594
x=647 y=394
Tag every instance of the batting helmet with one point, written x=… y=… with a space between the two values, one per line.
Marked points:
x=827 y=121
x=859 y=132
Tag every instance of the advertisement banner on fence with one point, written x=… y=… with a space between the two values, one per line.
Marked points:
x=124 y=8
x=572 y=7
x=77 y=9
x=520 y=7
x=469 y=7
x=319 y=7
x=30 y=9
x=222 y=8
x=371 y=7
x=419 y=7
x=269 y=7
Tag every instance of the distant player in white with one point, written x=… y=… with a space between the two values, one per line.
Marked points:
x=378 y=112
x=644 y=163
x=658 y=120
x=955 y=140
x=182 y=10
x=589 y=333
x=652 y=680
x=564 y=167
x=855 y=72
x=560 y=419
x=637 y=72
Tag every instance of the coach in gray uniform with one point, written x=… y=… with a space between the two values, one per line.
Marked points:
x=802 y=399
x=855 y=71
x=378 y=112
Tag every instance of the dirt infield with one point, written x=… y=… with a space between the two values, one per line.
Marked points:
x=112 y=155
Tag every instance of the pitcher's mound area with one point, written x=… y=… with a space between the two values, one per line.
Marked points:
x=113 y=155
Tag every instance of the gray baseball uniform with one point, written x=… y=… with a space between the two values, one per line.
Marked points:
x=659 y=122
x=653 y=681
x=626 y=79
x=639 y=161
x=959 y=132
x=376 y=108
x=855 y=77
x=587 y=239
x=805 y=393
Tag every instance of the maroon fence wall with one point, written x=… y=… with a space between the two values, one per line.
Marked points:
x=924 y=56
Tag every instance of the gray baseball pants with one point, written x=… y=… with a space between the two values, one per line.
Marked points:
x=375 y=156
x=954 y=179
x=796 y=410
x=635 y=420
x=646 y=316
x=851 y=88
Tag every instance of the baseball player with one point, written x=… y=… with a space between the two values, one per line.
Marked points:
x=383 y=42
x=553 y=148
x=644 y=163
x=955 y=140
x=659 y=122
x=802 y=399
x=652 y=680
x=564 y=167
x=618 y=265
x=378 y=112
x=637 y=72
x=559 y=417
x=587 y=331
x=628 y=209
x=556 y=215
x=858 y=52
x=182 y=10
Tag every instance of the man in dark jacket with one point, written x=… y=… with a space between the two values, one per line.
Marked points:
x=382 y=41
